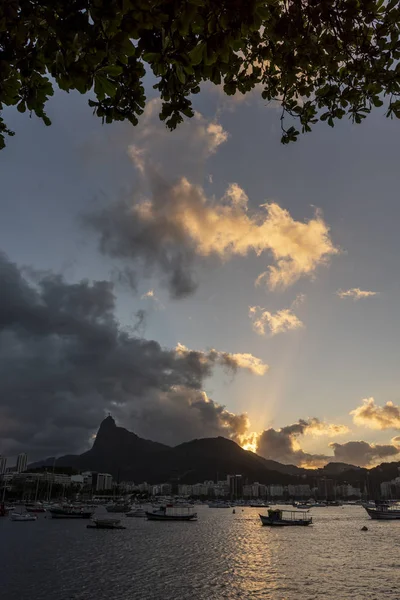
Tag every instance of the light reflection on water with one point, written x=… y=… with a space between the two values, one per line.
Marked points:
x=222 y=555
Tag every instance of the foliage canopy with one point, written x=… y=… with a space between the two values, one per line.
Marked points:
x=321 y=59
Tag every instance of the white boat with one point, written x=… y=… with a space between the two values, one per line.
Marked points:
x=23 y=517
x=136 y=512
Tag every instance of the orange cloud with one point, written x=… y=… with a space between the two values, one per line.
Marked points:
x=355 y=294
x=226 y=229
x=279 y=322
x=236 y=361
x=377 y=417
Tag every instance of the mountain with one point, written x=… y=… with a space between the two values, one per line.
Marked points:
x=131 y=458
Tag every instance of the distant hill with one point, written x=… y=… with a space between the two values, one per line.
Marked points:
x=128 y=457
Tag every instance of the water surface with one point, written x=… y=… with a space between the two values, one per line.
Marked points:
x=222 y=555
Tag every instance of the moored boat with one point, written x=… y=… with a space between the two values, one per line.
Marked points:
x=383 y=511
x=284 y=518
x=35 y=508
x=172 y=513
x=15 y=516
x=70 y=512
x=100 y=523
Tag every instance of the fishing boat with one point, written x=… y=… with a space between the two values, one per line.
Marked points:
x=136 y=512
x=100 y=523
x=70 y=512
x=383 y=511
x=16 y=516
x=285 y=518
x=300 y=506
x=172 y=513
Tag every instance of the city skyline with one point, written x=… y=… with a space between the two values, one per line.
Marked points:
x=272 y=325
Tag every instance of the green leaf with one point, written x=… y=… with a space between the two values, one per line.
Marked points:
x=180 y=73
x=196 y=54
x=151 y=57
x=111 y=70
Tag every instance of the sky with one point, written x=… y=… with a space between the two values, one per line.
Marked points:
x=207 y=281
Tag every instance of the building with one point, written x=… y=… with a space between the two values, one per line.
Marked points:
x=77 y=480
x=200 y=489
x=299 y=491
x=104 y=482
x=275 y=490
x=22 y=461
x=235 y=486
x=326 y=489
x=3 y=465
x=185 y=490
x=87 y=478
x=348 y=491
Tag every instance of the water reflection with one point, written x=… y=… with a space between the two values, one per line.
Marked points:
x=221 y=556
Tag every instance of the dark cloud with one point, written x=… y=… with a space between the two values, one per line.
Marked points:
x=65 y=361
x=363 y=454
x=282 y=444
x=157 y=245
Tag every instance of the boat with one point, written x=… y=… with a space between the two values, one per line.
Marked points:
x=70 y=512
x=16 y=516
x=284 y=518
x=35 y=508
x=172 y=513
x=136 y=512
x=118 y=508
x=105 y=524
x=300 y=506
x=383 y=511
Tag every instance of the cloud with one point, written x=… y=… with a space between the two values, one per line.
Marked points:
x=234 y=362
x=355 y=294
x=279 y=322
x=363 y=454
x=377 y=417
x=182 y=414
x=283 y=445
x=182 y=151
x=176 y=226
x=65 y=362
